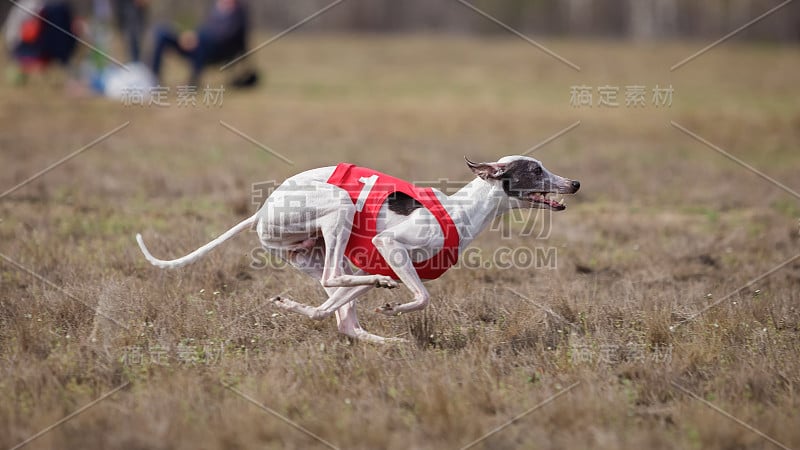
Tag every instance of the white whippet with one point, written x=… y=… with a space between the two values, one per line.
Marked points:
x=307 y=221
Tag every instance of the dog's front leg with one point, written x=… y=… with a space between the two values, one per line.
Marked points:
x=395 y=249
x=335 y=228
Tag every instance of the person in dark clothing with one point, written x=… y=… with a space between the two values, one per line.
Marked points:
x=36 y=41
x=131 y=16
x=220 y=38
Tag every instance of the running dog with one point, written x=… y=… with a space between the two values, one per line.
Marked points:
x=354 y=229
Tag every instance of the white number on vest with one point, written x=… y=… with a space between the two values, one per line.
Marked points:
x=368 y=182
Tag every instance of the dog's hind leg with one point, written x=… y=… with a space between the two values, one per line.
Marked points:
x=292 y=218
x=338 y=298
x=347 y=321
x=308 y=263
x=341 y=300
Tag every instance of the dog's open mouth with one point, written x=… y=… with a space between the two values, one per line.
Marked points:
x=552 y=203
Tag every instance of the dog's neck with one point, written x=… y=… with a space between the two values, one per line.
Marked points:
x=473 y=208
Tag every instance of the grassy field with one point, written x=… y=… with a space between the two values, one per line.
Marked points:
x=663 y=228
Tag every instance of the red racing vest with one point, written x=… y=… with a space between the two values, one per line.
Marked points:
x=368 y=190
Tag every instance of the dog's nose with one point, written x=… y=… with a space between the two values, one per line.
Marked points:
x=576 y=185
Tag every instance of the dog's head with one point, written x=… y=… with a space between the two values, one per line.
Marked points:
x=525 y=181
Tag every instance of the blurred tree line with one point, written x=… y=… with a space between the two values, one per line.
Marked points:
x=634 y=19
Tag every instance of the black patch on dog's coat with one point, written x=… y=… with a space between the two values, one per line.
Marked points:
x=403 y=204
x=522 y=177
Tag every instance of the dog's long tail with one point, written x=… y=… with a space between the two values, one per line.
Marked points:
x=197 y=254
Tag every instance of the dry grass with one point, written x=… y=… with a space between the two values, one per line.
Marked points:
x=661 y=222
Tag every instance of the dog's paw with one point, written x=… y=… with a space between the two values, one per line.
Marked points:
x=388 y=309
x=385 y=282
x=362 y=335
x=281 y=302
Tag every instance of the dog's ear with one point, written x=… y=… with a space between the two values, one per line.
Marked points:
x=486 y=171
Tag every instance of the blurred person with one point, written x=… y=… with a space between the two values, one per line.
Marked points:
x=131 y=18
x=35 y=40
x=96 y=75
x=98 y=30
x=220 y=38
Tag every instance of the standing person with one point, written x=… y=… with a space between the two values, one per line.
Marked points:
x=221 y=37
x=131 y=18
